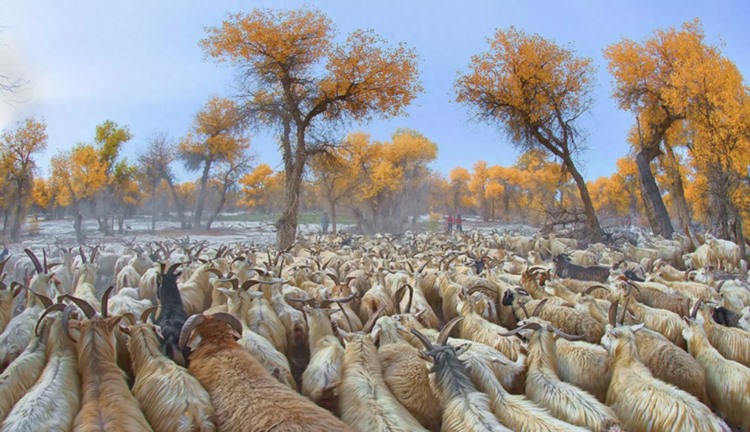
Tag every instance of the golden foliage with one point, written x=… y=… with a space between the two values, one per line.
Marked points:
x=262 y=188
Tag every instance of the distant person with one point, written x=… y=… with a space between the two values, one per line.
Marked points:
x=324 y=222
x=458 y=223
x=450 y=223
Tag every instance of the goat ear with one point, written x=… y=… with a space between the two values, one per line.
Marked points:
x=194 y=341
x=375 y=334
x=236 y=335
x=636 y=327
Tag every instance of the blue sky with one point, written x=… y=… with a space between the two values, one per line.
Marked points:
x=138 y=63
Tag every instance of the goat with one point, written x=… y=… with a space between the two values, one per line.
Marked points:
x=727 y=382
x=564 y=268
x=245 y=397
x=106 y=401
x=172 y=399
x=644 y=402
x=732 y=343
x=172 y=315
x=563 y=400
x=513 y=411
x=21 y=375
x=405 y=374
x=321 y=378
x=53 y=402
x=464 y=407
x=365 y=402
x=583 y=365
x=726 y=252
x=7 y=299
x=20 y=330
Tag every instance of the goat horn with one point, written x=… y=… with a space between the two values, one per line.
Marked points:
x=422 y=338
x=591 y=289
x=54 y=307
x=218 y=273
x=85 y=307
x=94 y=253
x=421 y=268
x=64 y=321
x=373 y=319
x=294 y=299
x=564 y=335
x=105 y=300
x=187 y=328
x=400 y=295
x=531 y=326
x=632 y=285
x=696 y=306
x=249 y=284
x=3 y=262
x=612 y=316
x=525 y=311
x=150 y=311
x=346 y=299
x=173 y=268
x=346 y=316
x=539 y=307
x=128 y=316
x=229 y=319
x=624 y=310
x=333 y=277
x=522 y=292
x=83 y=255
x=46 y=301
x=447 y=329
x=35 y=261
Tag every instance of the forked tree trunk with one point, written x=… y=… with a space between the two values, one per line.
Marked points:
x=202 y=195
x=678 y=193
x=219 y=206
x=656 y=211
x=177 y=203
x=595 y=230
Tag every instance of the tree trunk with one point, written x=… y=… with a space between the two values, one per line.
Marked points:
x=287 y=223
x=739 y=235
x=202 y=195
x=333 y=217
x=15 y=230
x=656 y=211
x=219 y=206
x=678 y=193
x=177 y=203
x=154 y=210
x=595 y=230
x=78 y=225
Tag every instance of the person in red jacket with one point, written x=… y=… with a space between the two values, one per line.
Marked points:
x=458 y=223
x=450 y=223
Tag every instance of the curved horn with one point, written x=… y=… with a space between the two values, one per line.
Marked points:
x=46 y=301
x=249 y=284
x=373 y=319
x=173 y=268
x=128 y=316
x=85 y=307
x=217 y=272
x=612 y=316
x=150 y=311
x=421 y=268
x=35 y=261
x=531 y=326
x=53 y=308
x=696 y=306
x=525 y=311
x=539 y=307
x=64 y=321
x=346 y=299
x=83 y=254
x=447 y=329
x=422 y=338
x=229 y=319
x=294 y=299
x=333 y=277
x=564 y=335
x=346 y=316
x=591 y=289
x=624 y=310
x=522 y=291
x=105 y=300
x=400 y=295
x=187 y=328
x=632 y=285
x=94 y=253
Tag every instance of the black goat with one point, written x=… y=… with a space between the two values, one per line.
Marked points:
x=726 y=317
x=566 y=269
x=172 y=316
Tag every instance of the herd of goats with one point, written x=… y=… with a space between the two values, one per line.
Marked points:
x=417 y=332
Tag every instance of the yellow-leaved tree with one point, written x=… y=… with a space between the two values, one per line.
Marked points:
x=18 y=146
x=81 y=174
x=261 y=188
x=460 y=194
x=537 y=91
x=217 y=137
x=296 y=78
